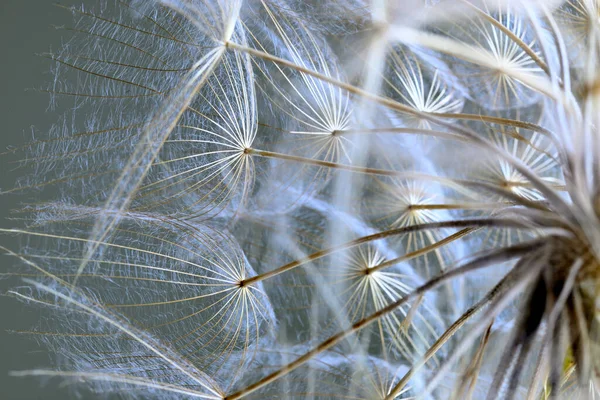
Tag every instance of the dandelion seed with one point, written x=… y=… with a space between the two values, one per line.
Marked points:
x=424 y=93
x=178 y=282
x=494 y=88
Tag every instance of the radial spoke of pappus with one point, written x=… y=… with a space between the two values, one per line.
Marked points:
x=271 y=154
x=416 y=92
x=132 y=283
x=361 y=288
x=512 y=35
x=536 y=153
x=506 y=80
x=580 y=19
x=533 y=150
x=396 y=203
x=452 y=183
x=145 y=152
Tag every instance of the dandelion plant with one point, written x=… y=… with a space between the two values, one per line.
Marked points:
x=317 y=199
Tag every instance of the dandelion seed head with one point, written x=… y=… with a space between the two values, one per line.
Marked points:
x=375 y=200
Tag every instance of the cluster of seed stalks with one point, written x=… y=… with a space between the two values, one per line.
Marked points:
x=360 y=199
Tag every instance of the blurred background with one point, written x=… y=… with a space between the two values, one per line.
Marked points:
x=27 y=28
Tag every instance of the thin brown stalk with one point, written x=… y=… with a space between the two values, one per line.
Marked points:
x=469 y=223
x=469 y=376
x=434 y=246
x=449 y=182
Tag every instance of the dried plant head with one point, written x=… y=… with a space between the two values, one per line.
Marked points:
x=283 y=199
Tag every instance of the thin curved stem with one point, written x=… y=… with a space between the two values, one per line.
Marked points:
x=424 y=250
x=450 y=182
x=500 y=121
x=468 y=223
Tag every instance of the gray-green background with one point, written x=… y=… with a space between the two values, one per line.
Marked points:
x=26 y=28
